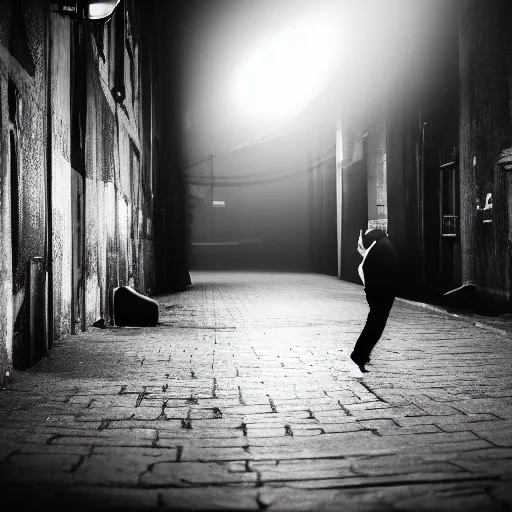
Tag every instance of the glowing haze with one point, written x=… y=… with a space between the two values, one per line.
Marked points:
x=283 y=72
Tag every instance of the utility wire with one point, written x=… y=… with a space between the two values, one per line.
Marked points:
x=258 y=139
x=256 y=181
x=248 y=142
x=260 y=175
x=197 y=161
x=251 y=142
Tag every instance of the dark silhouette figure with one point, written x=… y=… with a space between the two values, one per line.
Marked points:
x=380 y=275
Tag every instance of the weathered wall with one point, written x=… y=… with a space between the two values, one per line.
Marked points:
x=486 y=130
x=322 y=202
x=409 y=115
x=422 y=116
x=118 y=206
x=97 y=146
x=5 y=229
x=61 y=173
x=404 y=201
x=364 y=149
x=170 y=220
x=100 y=197
x=23 y=108
x=150 y=112
x=377 y=172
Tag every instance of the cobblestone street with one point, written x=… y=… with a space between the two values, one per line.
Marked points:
x=242 y=399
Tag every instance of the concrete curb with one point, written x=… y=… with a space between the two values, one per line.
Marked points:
x=437 y=309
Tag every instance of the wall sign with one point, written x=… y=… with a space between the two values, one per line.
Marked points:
x=487 y=209
x=379 y=224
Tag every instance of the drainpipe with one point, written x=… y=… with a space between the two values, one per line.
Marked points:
x=339 y=190
x=36 y=316
x=420 y=190
x=48 y=210
x=88 y=58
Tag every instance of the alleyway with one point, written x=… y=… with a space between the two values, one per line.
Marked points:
x=242 y=399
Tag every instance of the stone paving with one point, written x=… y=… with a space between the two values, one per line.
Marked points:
x=242 y=399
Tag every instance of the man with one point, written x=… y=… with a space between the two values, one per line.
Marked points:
x=380 y=276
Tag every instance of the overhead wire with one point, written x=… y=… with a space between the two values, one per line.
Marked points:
x=260 y=175
x=258 y=139
x=230 y=181
x=247 y=143
x=260 y=181
x=251 y=142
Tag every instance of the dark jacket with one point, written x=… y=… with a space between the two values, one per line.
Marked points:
x=381 y=268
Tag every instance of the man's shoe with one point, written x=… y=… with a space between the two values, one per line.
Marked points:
x=359 y=362
x=361 y=368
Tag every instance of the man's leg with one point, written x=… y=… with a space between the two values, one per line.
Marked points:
x=372 y=331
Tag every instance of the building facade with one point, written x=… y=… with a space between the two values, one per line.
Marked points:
x=438 y=173
x=80 y=161
x=485 y=141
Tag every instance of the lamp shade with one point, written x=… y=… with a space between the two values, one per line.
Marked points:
x=94 y=10
x=98 y=10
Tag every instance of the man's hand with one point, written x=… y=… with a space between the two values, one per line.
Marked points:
x=360 y=247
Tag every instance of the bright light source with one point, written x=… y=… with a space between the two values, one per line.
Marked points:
x=286 y=71
x=100 y=10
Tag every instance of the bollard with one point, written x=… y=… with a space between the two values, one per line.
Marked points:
x=37 y=306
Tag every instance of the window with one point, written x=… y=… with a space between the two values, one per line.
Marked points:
x=78 y=97
x=19 y=44
x=448 y=192
x=117 y=42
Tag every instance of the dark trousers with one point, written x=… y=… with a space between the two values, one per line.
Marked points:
x=377 y=317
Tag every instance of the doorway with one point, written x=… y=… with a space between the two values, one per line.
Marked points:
x=354 y=214
x=78 y=245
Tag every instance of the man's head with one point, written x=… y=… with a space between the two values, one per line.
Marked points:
x=372 y=235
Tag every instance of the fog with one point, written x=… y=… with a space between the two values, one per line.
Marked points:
x=257 y=159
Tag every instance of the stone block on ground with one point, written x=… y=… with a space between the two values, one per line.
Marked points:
x=133 y=309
